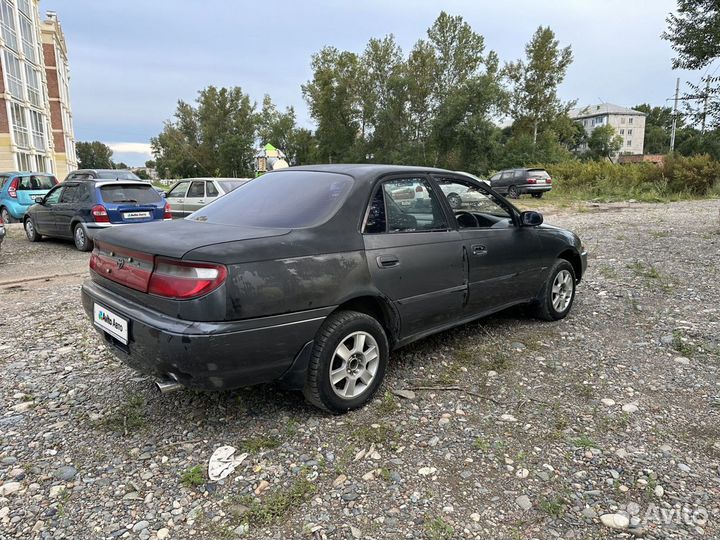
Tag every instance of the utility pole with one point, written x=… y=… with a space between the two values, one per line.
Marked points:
x=674 y=121
x=704 y=113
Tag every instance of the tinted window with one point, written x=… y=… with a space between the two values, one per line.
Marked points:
x=538 y=173
x=119 y=193
x=519 y=174
x=211 y=190
x=288 y=199
x=36 y=182
x=83 y=193
x=412 y=205
x=465 y=197
x=229 y=185
x=122 y=175
x=54 y=195
x=197 y=189
x=69 y=194
x=495 y=177
x=375 y=222
x=179 y=190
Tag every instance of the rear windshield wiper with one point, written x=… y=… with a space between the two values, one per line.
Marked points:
x=126 y=200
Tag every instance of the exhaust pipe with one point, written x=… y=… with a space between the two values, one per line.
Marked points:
x=168 y=385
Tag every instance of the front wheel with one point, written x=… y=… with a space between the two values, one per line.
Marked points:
x=348 y=362
x=82 y=242
x=513 y=192
x=6 y=217
x=31 y=231
x=558 y=293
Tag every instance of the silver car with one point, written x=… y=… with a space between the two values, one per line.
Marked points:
x=191 y=194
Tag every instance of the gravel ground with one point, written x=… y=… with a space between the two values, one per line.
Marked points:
x=603 y=425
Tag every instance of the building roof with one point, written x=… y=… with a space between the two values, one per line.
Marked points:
x=602 y=108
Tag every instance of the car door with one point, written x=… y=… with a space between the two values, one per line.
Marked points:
x=195 y=197
x=414 y=258
x=504 y=259
x=176 y=199
x=43 y=213
x=65 y=209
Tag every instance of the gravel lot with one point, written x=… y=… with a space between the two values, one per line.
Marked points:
x=511 y=428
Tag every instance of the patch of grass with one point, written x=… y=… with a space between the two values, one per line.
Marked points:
x=130 y=416
x=583 y=441
x=438 y=529
x=584 y=391
x=291 y=428
x=608 y=272
x=481 y=444
x=193 y=477
x=257 y=444
x=380 y=433
x=385 y=474
x=645 y=270
x=680 y=344
x=554 y=507
x=614 y=422
x=388 y=403
x=275 y=505
x=660 y=234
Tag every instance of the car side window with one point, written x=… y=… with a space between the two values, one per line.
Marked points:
x=54 y=196
x=211 y=189
x=3 y=179
x=83 y=193
x=495 y=177
x=179 y=190
x=411 y=205
x=519 y=174
x=69 y=194
x=473 y=206
x=375 y=222
x=197 y=190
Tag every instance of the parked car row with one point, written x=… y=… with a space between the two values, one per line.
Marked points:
x=18 y=191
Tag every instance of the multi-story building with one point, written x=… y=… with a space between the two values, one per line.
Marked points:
x=36 y=132
x=629 y=124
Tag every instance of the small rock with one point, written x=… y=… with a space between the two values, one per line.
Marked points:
x=66 y=473
x=522 y=473
x=56 y=491
x=682 y=360
x=629 y=408
x=22 y=407
x=508 y=418
x=615 y=521
x=475 y=517
x=607 y=402
x=9 y=488
x=407 y=394
x=427 y=471
x=339 y=481
x=517 y=346
x=357 y=533
x=659 y=491
x=162 y=533
x=523 y=501
x=589 y=513
x=140 y=526
x=683 y=467
x=262 y=486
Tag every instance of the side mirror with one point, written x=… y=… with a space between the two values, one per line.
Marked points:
x=531 y=218
x=39 y=200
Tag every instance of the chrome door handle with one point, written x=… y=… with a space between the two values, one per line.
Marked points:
x=201 y=201
x=479 y=249
x=387 y=261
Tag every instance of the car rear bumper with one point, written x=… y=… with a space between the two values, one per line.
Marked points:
x=206 y=355
x=17 y=210
x=534 y=188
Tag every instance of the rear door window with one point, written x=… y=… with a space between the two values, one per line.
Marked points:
x=197 y=190
x=33 y=182
x=70 y=193
x=179 y=190
x=410 y=205
x=211 y=190
x=124 y=193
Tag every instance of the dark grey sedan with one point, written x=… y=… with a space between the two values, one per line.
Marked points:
x=312 y=275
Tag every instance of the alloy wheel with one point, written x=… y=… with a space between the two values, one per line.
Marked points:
x=562 y=291
x=354 y=365
x=29 y=229
x=80 y=237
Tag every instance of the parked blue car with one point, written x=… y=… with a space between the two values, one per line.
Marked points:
x=18 y=191
x=80 y=207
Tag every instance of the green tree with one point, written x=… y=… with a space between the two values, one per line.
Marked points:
x=215 y=138
x=658 y=124
x=535 y=80
x=142 y=175
x=94 y=155
x=420 y=69
x=604 y=143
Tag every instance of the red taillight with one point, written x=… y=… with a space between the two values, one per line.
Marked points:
x=532 y=181
x=12 y=188
x=99 y=214
x=549 y=180
x=182 y=280
x=167 y=214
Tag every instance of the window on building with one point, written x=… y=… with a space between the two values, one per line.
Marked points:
x=630 y=120
x=7 y=21
x=14 y=77
x=629 y=142
x=28 y=39
x=32 y=78
x=24 y=7
x=37 y=124
x=20 y=129
x=629 y=131
x=25 y=161
x=622 y=120
x=622 y=132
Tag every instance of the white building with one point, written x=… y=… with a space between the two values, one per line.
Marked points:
x=629 y=124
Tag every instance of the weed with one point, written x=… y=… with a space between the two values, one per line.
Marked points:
x=660 y=234
x=680 y=344
x=373 y=434
x=257 y=444
x=385 y=474
x=608 y=272
x=481 y=444
x=192 y=477
x=274 y=506
x=130 y=416
x=642 y=269
x=584 y=442
x=438 y=529
x=388 y=403
x=554 y=507
x=584 y=391
x=613 y=422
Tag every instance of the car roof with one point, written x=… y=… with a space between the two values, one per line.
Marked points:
x=25 y=173
x=364 y=171
x=99 y=170
x=223 y=179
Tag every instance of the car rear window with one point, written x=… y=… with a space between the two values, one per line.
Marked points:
x=288 y=199
x=538 y=173
x=36 y=182
x=230 y=185
x=121 y=175
x=120 y=193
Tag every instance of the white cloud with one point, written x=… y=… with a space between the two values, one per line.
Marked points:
x=130 y=148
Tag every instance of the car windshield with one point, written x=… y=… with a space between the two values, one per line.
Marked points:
x=288 y=199
x=122 y=175
x=124 y=193
x=36 y=182
x=229 y=185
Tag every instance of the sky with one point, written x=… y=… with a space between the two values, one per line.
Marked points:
x=132 y=60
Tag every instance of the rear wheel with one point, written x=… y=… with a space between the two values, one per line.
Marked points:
x=82 y=242
x=6 y=217
x=558 y=293
x=31 y=231
x=513 y=192
x=348 y=362
x=538 y=195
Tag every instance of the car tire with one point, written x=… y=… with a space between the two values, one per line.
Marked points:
x=356 y=364
x=537 y=195
x=513 y=192
x=6 y=217
x=454 y=200
x=80 y=237
x=558 y=292
x=31 y=231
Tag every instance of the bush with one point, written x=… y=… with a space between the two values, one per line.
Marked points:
x=679 y=177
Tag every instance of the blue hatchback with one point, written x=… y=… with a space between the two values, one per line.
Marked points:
x=18 y=191
x=79 y=209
